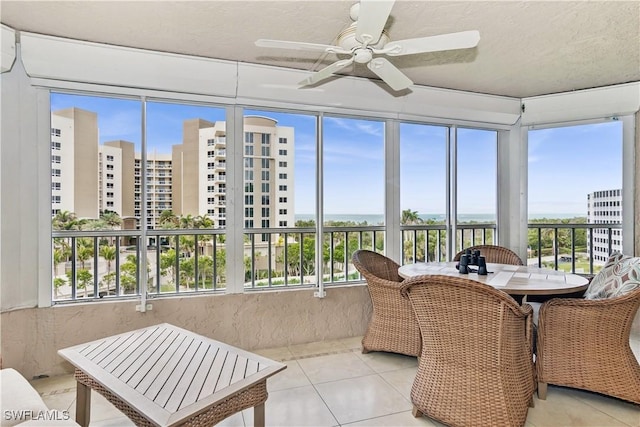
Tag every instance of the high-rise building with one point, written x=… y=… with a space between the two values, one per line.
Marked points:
x=158 y=189
x=605 y=207
x=199 y=172
x=74 y=162
x=88 y=178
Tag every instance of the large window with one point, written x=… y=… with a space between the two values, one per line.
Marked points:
x=280 y=186
x=139 y=196
x=126 y=188
x=477 y=187
x=575 y=182
x=433 y=203
x=423 y=190
x=353 y=190
x=185 y=168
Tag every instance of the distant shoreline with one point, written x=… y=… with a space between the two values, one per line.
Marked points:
x=482 y=218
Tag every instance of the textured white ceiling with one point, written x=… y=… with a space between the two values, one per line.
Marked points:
x=527 y=48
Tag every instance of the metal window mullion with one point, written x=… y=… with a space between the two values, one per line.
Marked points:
x=142 y=246
x=117 y=267
x=555 y=243
x=158 y=264
x=451 y=193
x=138 y=267
x=252 y=238
x=74 y=280
x=269 y=258
x=214 y=247
x=346 y=256
x=286 y=259
x=301 y=257
x=177 y=266
x=195 y=266
x=95 y=267
x=539 y=247
x=319 y=208
x=591 y=232
x=331 y=253
x=573 y=250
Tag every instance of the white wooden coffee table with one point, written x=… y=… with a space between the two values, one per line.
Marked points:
x=167 y=376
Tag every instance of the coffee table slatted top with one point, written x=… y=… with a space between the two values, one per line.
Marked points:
x=168 y=373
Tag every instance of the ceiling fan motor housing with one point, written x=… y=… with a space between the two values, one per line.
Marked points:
x=347 y=39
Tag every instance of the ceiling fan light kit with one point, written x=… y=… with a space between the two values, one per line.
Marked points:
x=368 y=43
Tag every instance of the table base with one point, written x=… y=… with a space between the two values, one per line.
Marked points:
x=254 y=396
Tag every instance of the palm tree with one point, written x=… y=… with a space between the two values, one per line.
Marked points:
x=111 y=219
x=168 y=219
x=187 y=221
x=202 y=221
x=57 y=283
x=60 y=255
x=65 y=220
x=108 y=252
x=84 y=251
x=410 y=217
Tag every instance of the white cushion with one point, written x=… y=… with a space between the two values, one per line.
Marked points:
x=18 y=398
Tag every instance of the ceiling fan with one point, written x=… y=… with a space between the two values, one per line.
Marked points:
x=367 y=42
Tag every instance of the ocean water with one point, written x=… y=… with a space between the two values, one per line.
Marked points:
x=379 y=218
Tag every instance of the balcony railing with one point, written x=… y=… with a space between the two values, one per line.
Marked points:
x=575 y=248
x=183 y=261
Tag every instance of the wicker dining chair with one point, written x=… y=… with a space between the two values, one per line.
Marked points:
x=476 y=365
x=392 y=327
x=584 y=343
x=494 y=254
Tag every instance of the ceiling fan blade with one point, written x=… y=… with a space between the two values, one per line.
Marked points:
x=326 y=72
x=372 y=17
x=282 y=44
x=389 y=74
x=462 y=40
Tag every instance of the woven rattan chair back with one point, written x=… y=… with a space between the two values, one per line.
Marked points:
x=494 y=254
x=392 y=327
x=476 y=365
x=585 y=344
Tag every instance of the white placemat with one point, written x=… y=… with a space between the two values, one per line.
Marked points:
x=501 y=278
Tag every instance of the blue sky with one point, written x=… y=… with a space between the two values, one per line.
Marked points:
x=564 y=163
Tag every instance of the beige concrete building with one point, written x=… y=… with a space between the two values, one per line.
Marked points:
x=74 y=162
x=88 y=177
x=199 y=172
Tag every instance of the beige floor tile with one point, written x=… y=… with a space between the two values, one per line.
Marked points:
x=362 y=398
x=562 y=408
x=60 y=401
x=300 y=406
x=401 y=380
x=235 y=420
x=59 y=383
x=619 y=409
x=334 y=367
x=382 y=362
x=277 y=354
x=635 y=347
x=318 y=348
x=291 y=377
x=399 y=419
x=122 y=421
x=353 y=343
